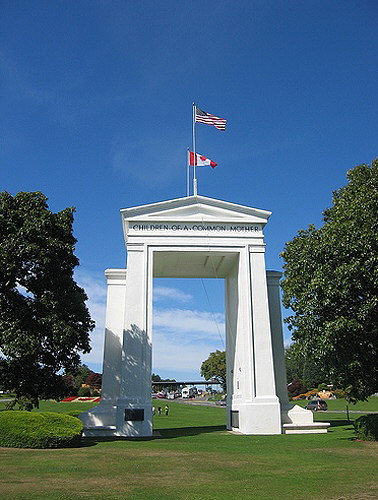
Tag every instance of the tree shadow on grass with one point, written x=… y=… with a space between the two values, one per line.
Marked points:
x=348 y=424
x=340 y=423
x=175 y=432
x=171 y=433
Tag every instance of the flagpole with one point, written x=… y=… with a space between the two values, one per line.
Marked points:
x=194 y=151
x=187 y=173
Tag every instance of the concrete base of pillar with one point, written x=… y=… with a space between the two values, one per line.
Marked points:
x=314 y=428
x=256 y=418
x=100 y=421
x=134 y=427
x=109 y=420
x=297 y=420
x=102 y=415
x=100 y=431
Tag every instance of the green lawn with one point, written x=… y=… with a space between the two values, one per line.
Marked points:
x=339 y=404
x=60 y=407
x=195 y=458
x=333 y=404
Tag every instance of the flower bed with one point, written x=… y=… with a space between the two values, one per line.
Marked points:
x=76 y=399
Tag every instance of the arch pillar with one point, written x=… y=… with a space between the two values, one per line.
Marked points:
x=253 y=407
x=134 y=411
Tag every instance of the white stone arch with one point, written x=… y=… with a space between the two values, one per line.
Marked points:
x=196 y=237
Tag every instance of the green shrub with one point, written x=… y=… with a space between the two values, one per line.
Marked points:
x=22 y=429
x=84 y=392
x=366 y=427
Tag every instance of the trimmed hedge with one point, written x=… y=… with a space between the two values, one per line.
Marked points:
x=366 y=427
x=23 y=429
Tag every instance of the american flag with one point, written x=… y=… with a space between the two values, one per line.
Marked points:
x=209 y=119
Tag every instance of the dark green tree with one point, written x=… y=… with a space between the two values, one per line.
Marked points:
x=331 y=284
x=94 y=380
x=80 y=375
x=214 y=367
x=73 y=380
x=294 y=363
x=44 y=322
x=299 y=367
x=156 y=378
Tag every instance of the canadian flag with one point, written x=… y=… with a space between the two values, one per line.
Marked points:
x=200 y=161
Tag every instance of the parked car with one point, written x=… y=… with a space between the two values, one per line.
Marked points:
x=316 y=405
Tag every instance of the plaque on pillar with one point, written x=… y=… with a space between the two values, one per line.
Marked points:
x=134 y=415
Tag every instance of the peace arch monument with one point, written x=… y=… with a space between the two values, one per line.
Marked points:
x=197 y=237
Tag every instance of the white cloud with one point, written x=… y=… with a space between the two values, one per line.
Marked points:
x=181 y=322
x=164 y=292
x=94 y=286
x=171 y=356
x=183 y=339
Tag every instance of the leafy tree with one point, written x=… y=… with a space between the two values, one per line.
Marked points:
x=156 y=378
x=44 y=321
x=304 y=369
x=294 y=363
x=69 y=385
x=313 y=374
x=214 y=367
x=170 y=387
x=74 y=379
x=296 y=387
x=331 y=284
x=94 y=380
x=84 y=391
x=80 y=374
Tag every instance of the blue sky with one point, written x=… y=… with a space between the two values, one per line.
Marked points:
x=96 y=113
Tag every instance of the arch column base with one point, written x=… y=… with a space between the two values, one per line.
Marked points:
x=100 y=421
x=262 y=416
x=128 y=414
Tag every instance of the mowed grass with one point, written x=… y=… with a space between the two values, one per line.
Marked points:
x=339 y=404
x=59 y=407
x=196 y=458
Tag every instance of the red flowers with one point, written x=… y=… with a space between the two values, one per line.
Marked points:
x=75 y=399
